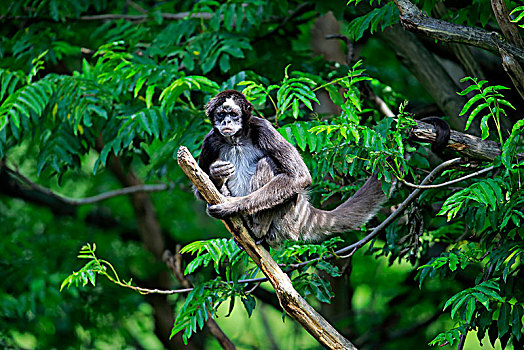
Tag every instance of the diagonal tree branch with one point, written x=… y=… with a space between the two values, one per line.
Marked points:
x=290 y=300
x=414 y=20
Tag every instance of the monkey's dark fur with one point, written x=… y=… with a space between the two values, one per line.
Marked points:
x=249 y=160
x=443 y=133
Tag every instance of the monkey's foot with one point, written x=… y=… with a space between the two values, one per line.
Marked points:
x=222 y=211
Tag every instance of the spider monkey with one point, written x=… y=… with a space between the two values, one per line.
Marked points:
x=248 y=160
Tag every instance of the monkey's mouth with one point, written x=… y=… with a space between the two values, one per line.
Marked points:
x=228 y=131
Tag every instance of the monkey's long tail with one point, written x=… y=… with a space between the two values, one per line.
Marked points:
x=350 y=215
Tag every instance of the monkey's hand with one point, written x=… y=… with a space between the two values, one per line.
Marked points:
x=224 y=210
x=221 y=170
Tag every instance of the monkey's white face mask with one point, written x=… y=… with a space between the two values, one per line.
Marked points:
x=228 y=118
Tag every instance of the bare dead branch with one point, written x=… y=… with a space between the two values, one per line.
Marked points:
x=511 y=33
x=168 y=16
x=290 y=300
x=116 y=16
x=468 y=145
x=451 y=182
x=513 y=69
x=88 y=200
x=414 y=20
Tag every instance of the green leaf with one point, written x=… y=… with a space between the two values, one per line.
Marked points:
x=149 y=95
x=249 y=304
x=483 y=299
x=295 y=108
x=453 y=262
x=223 y=62
x=335 y=95
x=300 y=135
x=516 y=323
x=200 y=316
x=229 y=15
x=67 y=281
x=489 y=292
x=470 y=309
x=503 y=320
x=474 y=113
x=467 y=91
x=332 y=270
x=484 y=126
x=458 y=304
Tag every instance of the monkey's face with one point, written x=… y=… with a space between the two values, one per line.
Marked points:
x=228 y=118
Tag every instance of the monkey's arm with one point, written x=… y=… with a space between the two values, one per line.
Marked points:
x=292 y=175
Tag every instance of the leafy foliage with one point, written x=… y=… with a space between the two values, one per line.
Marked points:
x=378 y=18
x=490 y=98
x=289 y=94
x=231 y=262
x=94 y=94
x=95 y=266
x=492 y=207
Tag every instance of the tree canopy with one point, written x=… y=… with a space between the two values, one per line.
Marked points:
x=103 y=244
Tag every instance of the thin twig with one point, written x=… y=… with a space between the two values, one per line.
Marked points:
x=90 y=200
x=401 y=207
x=254 y=287
x=189 y=289
x=462 y=341
x=451 y=182
x=116 y=16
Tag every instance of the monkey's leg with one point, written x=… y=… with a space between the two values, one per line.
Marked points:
x=261 y=221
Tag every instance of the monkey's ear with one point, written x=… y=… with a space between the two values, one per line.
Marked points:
x=246 y=106
x=212 y=105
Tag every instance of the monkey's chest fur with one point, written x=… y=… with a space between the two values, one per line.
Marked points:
x=245 y=158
